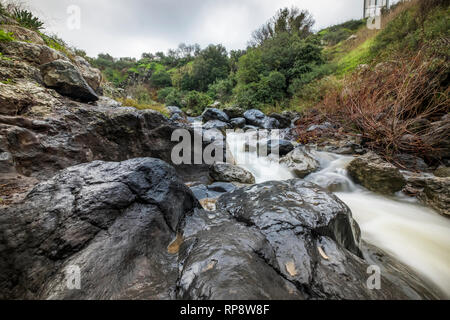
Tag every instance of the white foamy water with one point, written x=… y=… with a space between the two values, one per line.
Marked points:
x=415 y=235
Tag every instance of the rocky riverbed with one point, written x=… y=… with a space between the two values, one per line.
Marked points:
x=88 y=183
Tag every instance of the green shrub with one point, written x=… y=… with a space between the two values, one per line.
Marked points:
x=6 y=36
x=174 y=98
x=222 y=90
x=197 y=101
x=26 y=19
x=160 y=79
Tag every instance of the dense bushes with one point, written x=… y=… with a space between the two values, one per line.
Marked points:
x=26 y=19
x=271 y=72
x=6 y=36
x=393 y=105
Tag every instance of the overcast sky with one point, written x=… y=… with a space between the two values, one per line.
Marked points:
x=131 y=27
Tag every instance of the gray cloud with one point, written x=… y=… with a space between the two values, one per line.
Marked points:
x=130 y=27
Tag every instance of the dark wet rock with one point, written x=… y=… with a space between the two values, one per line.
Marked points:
x=433 y=191
x=308 y=237
x=301 y=162
x=280 y=147
x=225 y=172
x=284 y=119
x=216 y=124
x=214 y=114
x=258 y=119
x=114 y=221
x=76 y=133
x=65 y=78
x=376 y=174
x=234 y=112
x=238 y=123
x=212 y=191
x=230 y=261
x=174 y=110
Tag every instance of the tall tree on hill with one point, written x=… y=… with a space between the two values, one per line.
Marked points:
x=292 y=21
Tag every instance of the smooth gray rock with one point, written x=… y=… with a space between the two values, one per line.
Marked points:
x=224 y=172
x=259 y=119
x=238 y=123
x=214 y=114
x=300 y=162
x=376 y=174
x=216 y=124
x=212 y=191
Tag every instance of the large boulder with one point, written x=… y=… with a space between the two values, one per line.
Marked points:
x=433 y=191
x=92 y=75
x=215 y=114
x=24 y=97
x=282 y=147
x=234 y=112
x=23 y=34
x=62 y=76
x=221 y=259
x=300 y=162
x=277 y=240
x=238 y=123
x=32 y=53
x=216 y=125
x=259 y=119
x=75 y=133
x=225 y=172
x=377 y=175
x=284 y=119
x=212 y=191
x=114 y=222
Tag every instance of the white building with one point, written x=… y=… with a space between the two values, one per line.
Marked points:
x=373 y=8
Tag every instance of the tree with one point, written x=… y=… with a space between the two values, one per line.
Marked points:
x=211 y=65
x=292 y=21
x=160 y=79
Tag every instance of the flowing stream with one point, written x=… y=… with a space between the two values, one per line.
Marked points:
x=415 y=235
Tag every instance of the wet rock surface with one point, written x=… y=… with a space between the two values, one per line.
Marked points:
x=212 y=191
x=225 y=172
x=433 y=191
x=376 y=174
x=112 y=220
x=215 y=114
x=300 y=162
x=137 y=232
x=65 y=78
x=258 y=119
